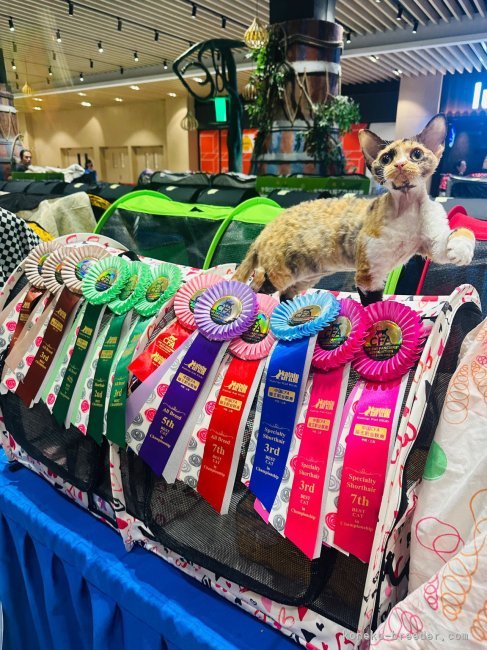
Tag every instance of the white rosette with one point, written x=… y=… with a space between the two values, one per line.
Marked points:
x=78 y=262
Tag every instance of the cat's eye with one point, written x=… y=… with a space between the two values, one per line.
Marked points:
x=416 y=154
x=386 y=158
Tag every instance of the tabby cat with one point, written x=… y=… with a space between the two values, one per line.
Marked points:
x=370 y=236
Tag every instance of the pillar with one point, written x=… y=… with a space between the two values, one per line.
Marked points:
x=313 y=43
x=419 y=100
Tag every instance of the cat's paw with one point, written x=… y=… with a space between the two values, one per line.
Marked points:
x=459 y=250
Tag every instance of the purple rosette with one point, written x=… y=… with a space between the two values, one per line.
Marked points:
x=393 y=342
x=225 y=310
x=341 y=340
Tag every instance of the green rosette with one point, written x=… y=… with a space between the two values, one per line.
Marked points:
x=134 y=290
x=105 y=280
x=165 y=280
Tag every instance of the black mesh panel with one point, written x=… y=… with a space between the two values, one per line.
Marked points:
x=442 y=279
x=181 y=240
x=234 y=244
x=67 y=452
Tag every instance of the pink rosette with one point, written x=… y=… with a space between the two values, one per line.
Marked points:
x=257 y=341
x=187 y=296
x=226 y=310
x=392 y=342
x=339 y=342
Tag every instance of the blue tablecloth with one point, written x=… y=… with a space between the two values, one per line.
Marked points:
x=66 y=583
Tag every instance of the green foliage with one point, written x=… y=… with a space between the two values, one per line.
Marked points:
x=331 y=118
x=269 y=78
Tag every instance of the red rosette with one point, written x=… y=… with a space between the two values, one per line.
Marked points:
x=339 y=342
x=187 y=296
x=257 y=341
x=392 y=343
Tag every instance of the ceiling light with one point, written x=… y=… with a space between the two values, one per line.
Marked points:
x=100 y=47
x=224 y=22
x=198 y=80
x=14 y=67
x=172 y=94
x=349 y=37
x=135 y=87
x=118 y=99
x=193 y=11
x=121 y=69
x=81 y=78
x=11 y=25
x=373 y=57
x=119 y=24
x=91 y=63
x=17 y=75
x=397 y=72
x=70 y=8
x=136 y=56
x=399 y=13
x=58 y=36
x=37 y=108
x=54 y=56
x=415 y=27
x=37 y=99
x=156 y=35
x=87 y=104
x=14 y=46
x=82 y=94
x=165 y=65
x=48 y=81
x=49 y=69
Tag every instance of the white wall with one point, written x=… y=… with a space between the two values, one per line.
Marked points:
x=419 y=100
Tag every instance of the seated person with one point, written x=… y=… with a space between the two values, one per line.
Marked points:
x=460 y=168
x=89 y=175
x=25 y=161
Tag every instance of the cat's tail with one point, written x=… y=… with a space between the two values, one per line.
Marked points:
x=248 y=273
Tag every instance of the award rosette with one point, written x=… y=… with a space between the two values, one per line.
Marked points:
x=336 y=345
x=100 y=281
x=64 y=311
x=77 y=264
x=295 y=324
x=165 y=280
x=392 y=346
x=226 y=427
x=223 y=312
x=19 y=321
x=177 y=332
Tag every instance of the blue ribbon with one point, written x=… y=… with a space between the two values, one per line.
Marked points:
x=285 y=375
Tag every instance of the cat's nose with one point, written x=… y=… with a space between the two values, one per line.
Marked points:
x=400 y=164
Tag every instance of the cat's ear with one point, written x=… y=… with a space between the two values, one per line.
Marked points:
x=434 y=134
x=371 y=145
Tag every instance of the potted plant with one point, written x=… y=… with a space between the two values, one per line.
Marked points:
x=331 y=119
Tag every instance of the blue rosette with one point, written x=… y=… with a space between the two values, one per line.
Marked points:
x=304 y=315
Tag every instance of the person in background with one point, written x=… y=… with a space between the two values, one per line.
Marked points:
x=460 y=168
x=90 y=172
x=25 y=161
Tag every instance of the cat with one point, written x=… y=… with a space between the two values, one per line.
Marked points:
x=369 y=236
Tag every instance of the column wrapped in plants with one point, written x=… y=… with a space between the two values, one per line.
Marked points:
x=298 y=73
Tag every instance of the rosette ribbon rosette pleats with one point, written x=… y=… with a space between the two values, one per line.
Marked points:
x=336 y=346
x=147 y=290
x=100 y=281
x=223 y=312
x=17 y=317
x=295 y=324
x=178 y=331
x=241 y=374
x=25 y=325
x=392 y=346
x=64 y=311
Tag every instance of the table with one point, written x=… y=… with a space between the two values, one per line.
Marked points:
x=67 y=583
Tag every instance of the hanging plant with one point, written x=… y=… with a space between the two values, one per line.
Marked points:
x=331 y=119
x=269 y=79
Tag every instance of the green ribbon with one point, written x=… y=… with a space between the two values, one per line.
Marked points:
x=86 y=336
x=116 y=426
x=102 y=376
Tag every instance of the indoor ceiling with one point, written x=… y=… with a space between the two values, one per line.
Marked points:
x=386 y=39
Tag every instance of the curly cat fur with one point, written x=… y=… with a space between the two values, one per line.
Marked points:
x=370 y=236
